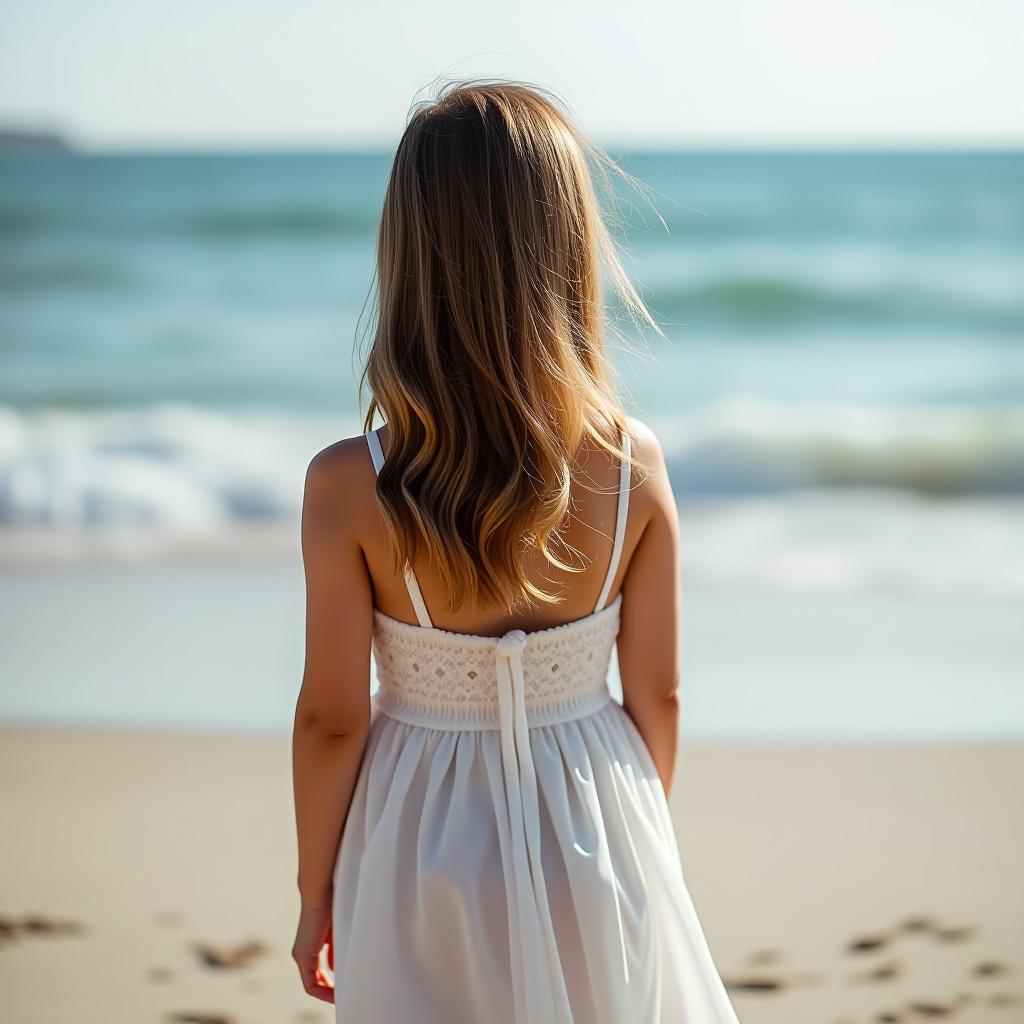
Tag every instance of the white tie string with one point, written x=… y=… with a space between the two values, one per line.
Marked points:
x=540 y=992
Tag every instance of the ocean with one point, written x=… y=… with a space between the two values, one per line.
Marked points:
x=840 y=392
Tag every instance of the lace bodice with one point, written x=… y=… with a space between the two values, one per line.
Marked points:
x=454 y=676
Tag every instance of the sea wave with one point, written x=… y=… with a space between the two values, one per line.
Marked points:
x=695 y=227
x=282 y=221
x=169 y=467
x=821 y=541
x=223 y=222
x=764 y=300
x=815 y=499
x=20 y=220
x=753 y=298
x=181 y=465
x=750 y=447
x=63 y=274
x=738 y=302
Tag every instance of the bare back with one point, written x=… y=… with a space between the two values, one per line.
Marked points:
x=598 y=491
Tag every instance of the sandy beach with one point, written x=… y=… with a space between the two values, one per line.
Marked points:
x=149 y=877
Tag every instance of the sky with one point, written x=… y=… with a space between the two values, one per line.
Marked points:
x=145 y=74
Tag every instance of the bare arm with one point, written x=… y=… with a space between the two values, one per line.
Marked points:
x=649 y=642
x=332 y=714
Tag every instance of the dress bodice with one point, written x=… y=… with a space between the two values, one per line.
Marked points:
x=434 y=676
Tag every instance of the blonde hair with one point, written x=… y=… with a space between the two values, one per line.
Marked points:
x=488 y=359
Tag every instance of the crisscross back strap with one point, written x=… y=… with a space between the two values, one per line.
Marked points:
x=411 y=583
x=620 y=522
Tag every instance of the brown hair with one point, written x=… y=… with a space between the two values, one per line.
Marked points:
x=488 y=358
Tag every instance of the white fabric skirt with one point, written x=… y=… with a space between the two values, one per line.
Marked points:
x=424 y=907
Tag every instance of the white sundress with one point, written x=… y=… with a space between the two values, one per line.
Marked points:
x=508 y=855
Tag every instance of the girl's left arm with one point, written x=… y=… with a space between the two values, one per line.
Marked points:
x=332 y=714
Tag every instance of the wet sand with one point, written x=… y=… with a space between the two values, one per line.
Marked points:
x=149 y=877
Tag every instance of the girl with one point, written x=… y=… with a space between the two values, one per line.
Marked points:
x=488 y=838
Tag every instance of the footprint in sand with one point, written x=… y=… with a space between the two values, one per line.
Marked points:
x=755 y=984
x=193 y=1017
x=1003 y=999
x=952 y=936
x=869 y=943
x=764 y=958
x=767 y=983
x=888 y=971
x=922 y=1010
x=919 y=925
x=930 y=1010
x=38 y=925
x=990 y=969
x=222 y=958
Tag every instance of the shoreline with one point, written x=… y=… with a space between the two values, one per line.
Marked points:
x=219 y=646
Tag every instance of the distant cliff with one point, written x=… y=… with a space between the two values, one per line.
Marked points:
x=21 y=141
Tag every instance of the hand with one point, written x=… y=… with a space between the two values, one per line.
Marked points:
x=315 y=932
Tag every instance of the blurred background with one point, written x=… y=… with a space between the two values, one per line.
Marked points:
x=832 y=235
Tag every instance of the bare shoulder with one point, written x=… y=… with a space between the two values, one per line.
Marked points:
x=645 y=443
x=339 y=487
x=650 y=485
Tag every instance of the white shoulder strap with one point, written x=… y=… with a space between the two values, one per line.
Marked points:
x=620 y=522
x=376 y=452
x=411 y=583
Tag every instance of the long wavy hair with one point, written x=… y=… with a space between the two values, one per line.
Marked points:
x=488 y=357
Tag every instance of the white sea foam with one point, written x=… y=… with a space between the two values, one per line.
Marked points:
x=857 y=540
x=811 y=499
x=747 y=446
x=168 y=468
